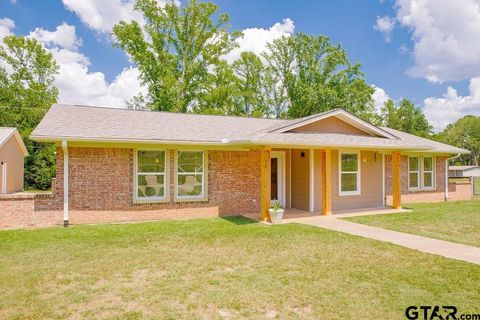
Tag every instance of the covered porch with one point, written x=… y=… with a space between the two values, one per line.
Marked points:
x=310 y=182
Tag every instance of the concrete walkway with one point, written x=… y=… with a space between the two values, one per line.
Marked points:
x=424 y=244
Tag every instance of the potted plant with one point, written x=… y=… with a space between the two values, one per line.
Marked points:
x=276 y=212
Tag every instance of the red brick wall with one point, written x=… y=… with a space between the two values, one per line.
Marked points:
x=455 y=193
x=101 y=187
x=23 y=210
x=460 y=191
x=16 y=211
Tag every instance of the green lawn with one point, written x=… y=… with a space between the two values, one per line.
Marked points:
x=452 y=221
x=221 y=268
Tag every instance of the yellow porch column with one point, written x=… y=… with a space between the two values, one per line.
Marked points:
x=265 y=184
x=397 y=194
x=327 y=182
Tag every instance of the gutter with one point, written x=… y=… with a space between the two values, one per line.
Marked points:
x=446 y=174
x=226 y=142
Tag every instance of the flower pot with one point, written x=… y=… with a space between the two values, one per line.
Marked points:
x=276 y=215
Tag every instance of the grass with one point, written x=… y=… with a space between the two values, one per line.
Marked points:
x=452 y=221
x=220 y=268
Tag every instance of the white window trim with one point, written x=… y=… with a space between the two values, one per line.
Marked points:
x=419 y=173
x=188 y=198
x=166 y=179
x=421 y=166
x=358 y=172
x=434 y=180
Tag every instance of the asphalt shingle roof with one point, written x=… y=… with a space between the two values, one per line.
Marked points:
x=5 y=133
x=83 y=123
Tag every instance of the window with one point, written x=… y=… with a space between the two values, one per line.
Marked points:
x=413 y=172
x=191 y=175
x=421 y=173
x=428 y=172
x=150 y=175
x=349 y=174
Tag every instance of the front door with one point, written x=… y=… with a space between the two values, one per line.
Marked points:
x=277 y=178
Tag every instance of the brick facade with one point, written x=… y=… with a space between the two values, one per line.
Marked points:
x=455 y=192
x=101 y=187
x=23 y=210
x=101 y=190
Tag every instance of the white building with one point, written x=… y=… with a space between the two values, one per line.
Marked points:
x=463 y=171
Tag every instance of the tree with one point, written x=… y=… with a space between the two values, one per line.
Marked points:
x=250 y=99
x=318 y=76
x=406 y=117
x=464 y=133
x=275 y=94
x=26 y=93
x=219 y=91
x=175 y=50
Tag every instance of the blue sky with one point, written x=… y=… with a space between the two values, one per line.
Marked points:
x=415 y=49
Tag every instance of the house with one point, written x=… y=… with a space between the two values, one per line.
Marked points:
x=12 y=152
x=125 y=165
x=463 y=171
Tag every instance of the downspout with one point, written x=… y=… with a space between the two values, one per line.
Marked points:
x=65 y=183
x=446 y=175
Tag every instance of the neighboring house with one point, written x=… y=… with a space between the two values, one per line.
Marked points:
x=124 y=165
x=12 y=152
x=463 y=171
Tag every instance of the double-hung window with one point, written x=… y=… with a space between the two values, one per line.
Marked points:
x=428 y=176
x=191 y=175
x=150 y=175
x=421 y=173
x=349 y=173
x=413 y=173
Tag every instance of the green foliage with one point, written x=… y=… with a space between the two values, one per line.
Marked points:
x=249 y=100
x=406 y=117
x=219 y=92
x=179 y=53
x=175 y=49
x=26 y=93
x=464 y=133
x=318 y=76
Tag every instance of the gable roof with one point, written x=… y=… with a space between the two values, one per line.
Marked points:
x=340 y=114
x=98 y=124
x=6 y=133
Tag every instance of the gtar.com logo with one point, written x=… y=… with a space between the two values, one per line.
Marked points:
x=431 y=312
x=437 y=313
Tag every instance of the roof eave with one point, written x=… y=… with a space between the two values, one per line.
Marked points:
x=113 y=140
x=253 y=142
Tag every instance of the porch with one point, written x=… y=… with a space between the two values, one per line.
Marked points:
x=312 y=181
x=294 y=215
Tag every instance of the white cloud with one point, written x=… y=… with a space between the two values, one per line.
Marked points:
x=64 y=36
x=385 y=25
x=256 y=39
x=445 y=36
x=379 y=98
x=76 y=82
x=102 y=15
x=451 y=107
x=6 y=26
